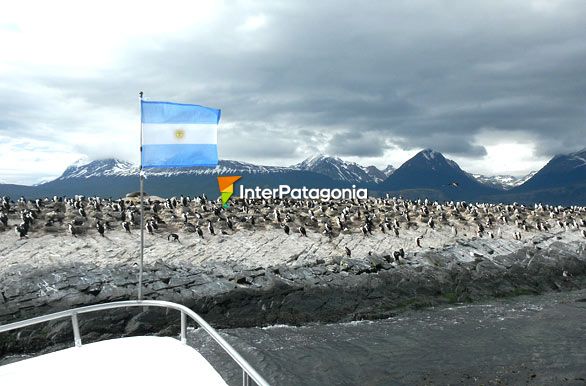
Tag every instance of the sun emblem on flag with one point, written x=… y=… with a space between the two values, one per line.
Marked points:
x=179 y=133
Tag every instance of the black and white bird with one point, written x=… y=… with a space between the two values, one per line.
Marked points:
x=211 y=227
x=20 y=231
x=100 y=228
x=418 y=241
x=286 y=228
x=154 y=223
x=126 y=226
x=348 y=252
x=479 y=228
x=71 y=230
x=6 y=203
x=398 y=254
x=364 y=230
x=149 y=227
x=199 y=232
x=173 y=237
x=302 y=231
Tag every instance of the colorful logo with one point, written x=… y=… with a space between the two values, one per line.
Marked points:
x=226 y=185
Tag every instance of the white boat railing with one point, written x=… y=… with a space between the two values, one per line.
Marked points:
x=248 y=372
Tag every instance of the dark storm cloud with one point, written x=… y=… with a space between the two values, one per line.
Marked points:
x=357 y=78
x=357 y=143
x=429 y=74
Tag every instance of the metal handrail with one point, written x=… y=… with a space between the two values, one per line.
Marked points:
x=248 y=372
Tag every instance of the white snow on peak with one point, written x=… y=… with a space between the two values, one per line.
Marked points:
x=390 y=169
x=503 y=181
x=107 y=167
x=522 y=180
x=338 y=169
x=45 y=180
x=118 y=168
x=429 y=154
x=81 y=162
x=580 y=157
x=333 y=167
x=314 y=159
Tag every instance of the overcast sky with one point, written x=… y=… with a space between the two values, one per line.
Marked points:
x=498 y=86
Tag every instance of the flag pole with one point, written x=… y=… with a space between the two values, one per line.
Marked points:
x=141 y=176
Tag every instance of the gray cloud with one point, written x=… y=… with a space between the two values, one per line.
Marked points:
x=262 y=143
x=356 y=143
x=401 y=71
x=349 y=79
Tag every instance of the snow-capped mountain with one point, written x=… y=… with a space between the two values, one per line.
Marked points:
x=117 y=168
x=378 y=175
x=224 y=167
x=563 y=171
x=524 y=179
x=112 y=177
x=390 y=169
x=375 y=173
x=504 y=182
x=429 y=173
x=99 y=168
x=335 y=168
x=340 y=170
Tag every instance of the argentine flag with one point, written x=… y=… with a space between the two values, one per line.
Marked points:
x=178 y=135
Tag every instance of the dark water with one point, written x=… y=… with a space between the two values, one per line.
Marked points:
x=527 y=340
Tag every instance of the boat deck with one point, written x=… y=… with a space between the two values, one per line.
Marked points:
x=142 y=360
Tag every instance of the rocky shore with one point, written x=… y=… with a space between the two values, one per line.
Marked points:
x=263 y=278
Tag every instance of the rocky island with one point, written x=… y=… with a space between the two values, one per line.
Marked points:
x=270 y=262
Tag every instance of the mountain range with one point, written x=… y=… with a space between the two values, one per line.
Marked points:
x=427 y=174
x=503 y=181
x=340 y=170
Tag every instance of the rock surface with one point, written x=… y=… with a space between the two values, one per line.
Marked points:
x=263 y=278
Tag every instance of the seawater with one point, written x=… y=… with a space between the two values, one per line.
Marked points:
x=525 y=340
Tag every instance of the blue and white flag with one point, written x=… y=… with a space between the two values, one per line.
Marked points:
x=178 y=135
